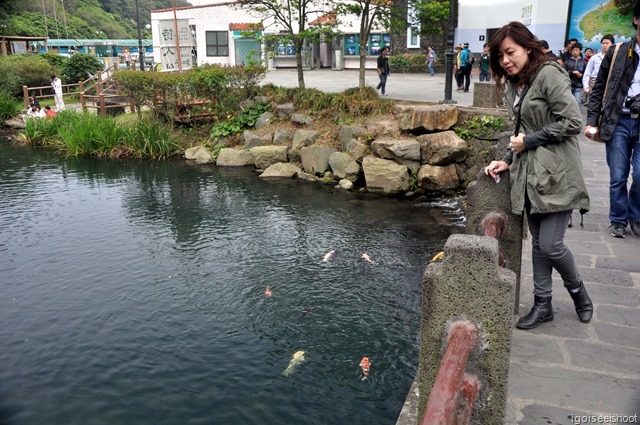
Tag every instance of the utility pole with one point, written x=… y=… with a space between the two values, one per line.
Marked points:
x=46 y=28
x=448 y=76
x=140 y=51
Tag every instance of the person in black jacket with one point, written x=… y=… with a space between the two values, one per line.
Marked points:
x=575 y=67
x=383 y=69
x=616 y=118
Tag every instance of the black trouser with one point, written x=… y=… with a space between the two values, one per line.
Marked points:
x=465 y=71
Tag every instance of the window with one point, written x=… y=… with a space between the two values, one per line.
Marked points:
x=217 y=43
x=413 y=37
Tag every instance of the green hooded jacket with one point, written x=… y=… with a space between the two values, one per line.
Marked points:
x=549 y=170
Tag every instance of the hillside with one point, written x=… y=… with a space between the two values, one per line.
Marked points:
x=114 y=19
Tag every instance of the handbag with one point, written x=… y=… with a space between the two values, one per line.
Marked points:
x=596 y=137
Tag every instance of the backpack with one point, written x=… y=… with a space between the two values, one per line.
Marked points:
x=470 y=59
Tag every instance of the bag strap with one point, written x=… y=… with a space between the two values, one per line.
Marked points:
x=613 y=61
x=518 y=117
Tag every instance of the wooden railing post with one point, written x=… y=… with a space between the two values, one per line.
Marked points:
x=132 y=104
x=103 y=107
x=83 y=102
x=25 y=94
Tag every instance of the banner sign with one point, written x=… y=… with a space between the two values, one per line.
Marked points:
x=169 y=41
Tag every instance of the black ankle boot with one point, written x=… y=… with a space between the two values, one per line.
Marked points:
x=540 y=312
x=584 y=306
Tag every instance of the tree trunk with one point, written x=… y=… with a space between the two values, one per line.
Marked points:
x=298 y=47
x=363 y=61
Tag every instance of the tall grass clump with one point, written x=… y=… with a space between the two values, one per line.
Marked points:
x=359 y=102
x=89 y=134
x=9 y=107
x=150 y=139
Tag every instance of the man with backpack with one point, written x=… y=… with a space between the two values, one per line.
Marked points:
x=466 y=62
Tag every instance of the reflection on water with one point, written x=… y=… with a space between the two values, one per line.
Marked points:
x=134 y=293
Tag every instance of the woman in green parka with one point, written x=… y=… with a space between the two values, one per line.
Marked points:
x=544 y=161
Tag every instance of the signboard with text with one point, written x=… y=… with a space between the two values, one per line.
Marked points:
x=169 y=41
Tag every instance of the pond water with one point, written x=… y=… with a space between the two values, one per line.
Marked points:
x=134 y=293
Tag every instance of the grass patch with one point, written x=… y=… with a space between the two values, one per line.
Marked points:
x=9 y=107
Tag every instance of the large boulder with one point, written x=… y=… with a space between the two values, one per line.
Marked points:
x=383 y=126
x=357 y=149
x=229 y=157
x=281 y=170
x=285 y=110
x=343 y=166
x=301 y=119
x=200 y=154
x=315 y=159
x=253 y=139
x=434 y=177
x=442 y=148
x=301 y=139
x=384 y=176
x=402 y=151
x=264 y=120
x=282 y=137
x=347 y=133
x=264 y=156
x=428 y=118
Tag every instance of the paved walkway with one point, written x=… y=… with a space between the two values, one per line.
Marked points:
x=564 y=367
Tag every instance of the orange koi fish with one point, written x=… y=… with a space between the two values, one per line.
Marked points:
x=365 y=364
x=267 y=292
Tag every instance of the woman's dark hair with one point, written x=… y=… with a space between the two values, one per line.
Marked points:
x=521 y=35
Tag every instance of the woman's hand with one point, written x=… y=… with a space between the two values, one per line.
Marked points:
x=590 y=131
x=495 y=168
x=517 y=144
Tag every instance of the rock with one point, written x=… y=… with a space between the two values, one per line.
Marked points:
x=301 y=119
x=345 y=184
x=252 y=139
x=263 y=100
x=344 y=166
x=281 y=169
x=282 y=137
x=382 y=126
x=200 y=154
x=402 y=151
x=315 y=159
x=246 y=104
x=429 y=118
x=348 y=133
x=285 y=110
x=384 y=176
x=434 y=177
x=301 y=139
x=16 y=123
x=442 y=148
x=264 y=120
x=264 y=156
x=357 y=149
x=234 y=157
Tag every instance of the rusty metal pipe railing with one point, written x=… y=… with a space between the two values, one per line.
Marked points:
x=454 y=391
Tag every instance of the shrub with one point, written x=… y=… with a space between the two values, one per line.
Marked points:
x=9 y=107
x=79 y=67
x=238 y=123
x=23 y=70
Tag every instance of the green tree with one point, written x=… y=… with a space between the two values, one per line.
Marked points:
x=433 y=16
x=23 y=70
x=79 y=67
x=294 y=16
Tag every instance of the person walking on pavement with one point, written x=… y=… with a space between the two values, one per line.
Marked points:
x=613 y=111
x=545 y=163
x=593 y=66
x=431 y=60
x=57 y=92
x=459 y=76
x=485 y=66
x=383 y=70
x=575 y=67
x=466 y=62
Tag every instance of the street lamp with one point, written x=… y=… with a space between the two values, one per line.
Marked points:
x=448 y=73
x=140 y=51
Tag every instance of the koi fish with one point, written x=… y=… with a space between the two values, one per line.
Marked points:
x=267 y=292
x=367 y=258
x=327 y=256
x=296 y=359
x=438 y=256
x=365 y=364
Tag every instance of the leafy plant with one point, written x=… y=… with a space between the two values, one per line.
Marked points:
x=28 y=70
x=236 y=124
x=481 y=127
x=9 y=107
x=399 y=62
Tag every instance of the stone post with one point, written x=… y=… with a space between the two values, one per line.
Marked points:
x=468 y=284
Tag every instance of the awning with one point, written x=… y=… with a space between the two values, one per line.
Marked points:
x=63 y=42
